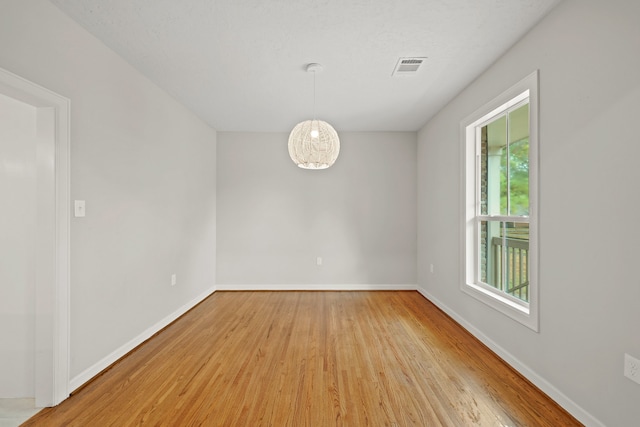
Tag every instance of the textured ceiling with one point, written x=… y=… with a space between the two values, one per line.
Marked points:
x=239 y=64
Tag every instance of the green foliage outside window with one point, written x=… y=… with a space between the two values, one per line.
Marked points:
x=518 y=187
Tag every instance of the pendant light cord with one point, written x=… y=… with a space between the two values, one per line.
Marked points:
x=314 y=95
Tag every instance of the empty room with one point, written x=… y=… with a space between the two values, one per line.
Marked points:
x=319 y=213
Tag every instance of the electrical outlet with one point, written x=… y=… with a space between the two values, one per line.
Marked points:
x=319 y=261
x=79 y=208
x=632 y=368
x=431 y=268
x=174 y=280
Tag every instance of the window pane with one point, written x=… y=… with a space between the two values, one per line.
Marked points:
x=504 y=257
x=518 y=168
x=484 y=168
x=516 y=260
x=496 y=175
x=490 y=256
x=504 y=168
x=484 y=251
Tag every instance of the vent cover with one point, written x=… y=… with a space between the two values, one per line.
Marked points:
x=407 y=66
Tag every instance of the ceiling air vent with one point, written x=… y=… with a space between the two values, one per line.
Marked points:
x=407 y=66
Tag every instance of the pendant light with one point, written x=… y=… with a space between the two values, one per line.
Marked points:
x=314 y=144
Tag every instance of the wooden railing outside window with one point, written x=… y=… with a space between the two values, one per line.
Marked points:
x=514 y=279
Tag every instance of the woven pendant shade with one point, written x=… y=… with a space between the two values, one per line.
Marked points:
x=314 y=144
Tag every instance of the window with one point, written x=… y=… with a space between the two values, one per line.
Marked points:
x=499 y=218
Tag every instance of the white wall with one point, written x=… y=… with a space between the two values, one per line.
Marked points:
x=274 y=218
x=17 y=247
x=146 y=168
x=587 y=53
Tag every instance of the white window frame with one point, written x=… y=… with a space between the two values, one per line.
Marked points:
x=523 y=312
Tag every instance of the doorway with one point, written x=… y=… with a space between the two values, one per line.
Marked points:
x=49 y=254
x=17 y=248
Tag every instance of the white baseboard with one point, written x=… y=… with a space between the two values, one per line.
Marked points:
x=569 y=405
x=315 y=287
x=108 y=360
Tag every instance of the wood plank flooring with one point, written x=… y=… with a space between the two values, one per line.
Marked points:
x=309 y=359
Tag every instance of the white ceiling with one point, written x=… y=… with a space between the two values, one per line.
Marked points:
x=239 y=64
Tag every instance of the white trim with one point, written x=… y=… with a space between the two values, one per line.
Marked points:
x=526 y=314
x=52 y=234
x=549 y=389
x=118 y=353
x=315 y=287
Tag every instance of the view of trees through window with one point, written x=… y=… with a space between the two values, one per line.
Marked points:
x=515 y=190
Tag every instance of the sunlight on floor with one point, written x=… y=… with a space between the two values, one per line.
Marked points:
x=14 y=412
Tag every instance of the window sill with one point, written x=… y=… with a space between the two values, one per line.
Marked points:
x=515 y=311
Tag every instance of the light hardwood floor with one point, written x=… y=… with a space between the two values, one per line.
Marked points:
x=310 y=359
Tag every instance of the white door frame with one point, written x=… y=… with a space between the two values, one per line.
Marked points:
x=52 y=236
